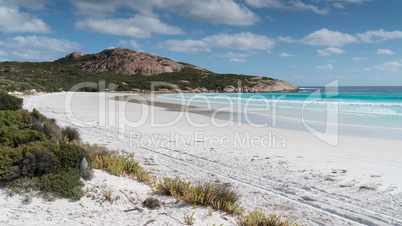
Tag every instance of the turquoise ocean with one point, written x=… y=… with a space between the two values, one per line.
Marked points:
x=369 y=111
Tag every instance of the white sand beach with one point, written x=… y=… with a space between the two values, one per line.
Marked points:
x=285 y=172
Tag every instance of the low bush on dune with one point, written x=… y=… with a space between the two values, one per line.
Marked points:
x=34 y=155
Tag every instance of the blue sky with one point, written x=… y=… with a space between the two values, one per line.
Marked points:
x=305 y=42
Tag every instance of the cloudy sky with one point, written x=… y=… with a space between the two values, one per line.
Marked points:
x=305 y=42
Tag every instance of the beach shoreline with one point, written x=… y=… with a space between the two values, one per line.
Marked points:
x=286 y=172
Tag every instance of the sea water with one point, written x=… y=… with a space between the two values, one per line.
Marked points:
x=374 y=111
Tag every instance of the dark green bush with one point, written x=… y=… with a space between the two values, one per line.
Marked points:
x=50 y=128
x=32 y=160
x=9 y=163
x=70 y=133
x=8 y=102
x=69 y=156
x=65 y=184
x=33 y=155
x=15 y=129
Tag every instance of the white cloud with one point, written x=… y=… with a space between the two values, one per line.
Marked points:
x=379 y=36
x=275 y=4
x=283 y=54
x=234 y=57
x=330 y=51
x=37 y=48
x=323 y=37
x=241 y=41
x=29 y=4
x=384 y=52
x=338 y=5
x=345 y=1
x=325 y=67
x=389 y=66
x=237 y=60
x=216 y=12
x=295 y=5
x=14 y=21
x=185 y=46
x=139 y=26
x=359 y=58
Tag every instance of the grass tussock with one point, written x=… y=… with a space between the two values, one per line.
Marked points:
x=118 y=165
x=258 y=218
x=207 y=194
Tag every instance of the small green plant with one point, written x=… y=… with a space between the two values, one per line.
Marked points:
x=189 y=220
x=257 y=218
x=108 y=195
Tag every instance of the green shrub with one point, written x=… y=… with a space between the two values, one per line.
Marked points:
x=257 y=218
x=50 y=128
x=33 y=155
x=56 y=166
x=69 y=156
x=15 y=129
x=65 y=184
x=8 y=102
x=35 y=113
x=32 y=160
x=9 y=163
x=37 y=163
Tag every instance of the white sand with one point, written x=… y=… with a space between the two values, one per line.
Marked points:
x=308 y=180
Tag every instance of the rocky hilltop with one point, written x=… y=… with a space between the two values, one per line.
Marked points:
x=129 y=62
x=126 y=61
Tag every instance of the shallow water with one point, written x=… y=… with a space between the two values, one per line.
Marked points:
x=359 y=111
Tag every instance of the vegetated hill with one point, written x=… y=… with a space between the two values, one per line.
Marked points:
x=128 y=70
